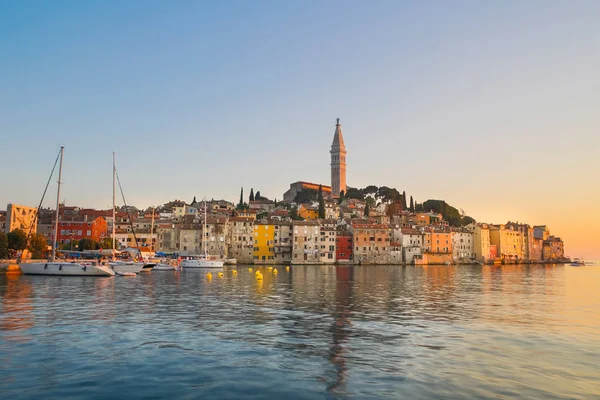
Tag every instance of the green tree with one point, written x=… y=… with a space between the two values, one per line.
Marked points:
x=466 y=220
x=342 y=195
x=404 y=200
x=257 y=196
x=87 y=244
x=353 y=193
x=17 y=240
x=37 y=246
x=412 y=205
x=251 y=194
x=321 y=203
x=106 y=243
x=241 y=203
x=367 y=209
x=3 y=245
x=294 y=214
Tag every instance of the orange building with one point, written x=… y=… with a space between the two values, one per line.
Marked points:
x=437 y=241
x=307 y=211
x=77 y=227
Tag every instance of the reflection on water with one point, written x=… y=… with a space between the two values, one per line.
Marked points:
x=315 y=331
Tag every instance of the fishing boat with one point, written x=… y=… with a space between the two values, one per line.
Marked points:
x=63 y=268
x=203 y=261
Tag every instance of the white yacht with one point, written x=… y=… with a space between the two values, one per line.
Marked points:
x=202 y=261
x=126 y=266
x=64 y=268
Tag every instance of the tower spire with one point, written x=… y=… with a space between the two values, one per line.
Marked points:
x=338 y=161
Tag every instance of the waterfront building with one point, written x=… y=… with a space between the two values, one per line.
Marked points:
x=553 y=249
x=190 y=237
x=327 y=241
x=73 y=228
x=535 y=246
x=481 y=241
x=437 y=240
x=541 y=232
x=241 y=239
x=283 y=241
x=264 y=242
x=20 y=217
x=411 y=240
x=338 y=162
x=168 y=237
x=371 y=243
x=216 y=232
x=508 y=241
x=306 y=242
x=462 y=245
x=344 y=247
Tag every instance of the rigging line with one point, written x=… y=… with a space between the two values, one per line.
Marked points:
x=37 y=212
x=127 y=211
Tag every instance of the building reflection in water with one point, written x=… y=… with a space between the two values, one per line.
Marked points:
x=17 y=307
x=341 y=327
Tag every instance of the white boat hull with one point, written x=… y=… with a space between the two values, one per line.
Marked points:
x=126 y=267
x=164 y=267
x=66 y=269
x=201 y=264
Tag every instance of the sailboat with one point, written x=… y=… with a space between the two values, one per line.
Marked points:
x=120 y=266
x=202 y=262
x=62 y=268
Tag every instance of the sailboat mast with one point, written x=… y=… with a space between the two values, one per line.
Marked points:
x=152 y=232
x=204 y=233
x=62 y=152
x=113 y=209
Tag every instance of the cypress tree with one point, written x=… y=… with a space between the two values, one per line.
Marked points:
x=257 y=196
x=412 y=205
x=321 y=202
x=241 y=203
x=251 y=194
x=367 y=210
x=404 y=200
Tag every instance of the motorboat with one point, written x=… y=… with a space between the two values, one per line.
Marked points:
x=126 y=266
x=201 y=263
x=66 y=269
x=165 y=267
x=577 y=262
x=231 y=261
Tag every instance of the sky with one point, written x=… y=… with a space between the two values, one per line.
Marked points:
x=491 y=106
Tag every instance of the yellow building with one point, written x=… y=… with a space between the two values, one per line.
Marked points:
x=264 y=242
x=246 y=213
x=20 y=217
x=508 y=241
x=307 y=212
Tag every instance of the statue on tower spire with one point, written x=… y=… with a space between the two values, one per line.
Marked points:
x=338 y=122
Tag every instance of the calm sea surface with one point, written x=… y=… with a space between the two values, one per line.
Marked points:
x=527 y=331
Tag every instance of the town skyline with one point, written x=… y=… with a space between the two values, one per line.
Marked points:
x=467 y=112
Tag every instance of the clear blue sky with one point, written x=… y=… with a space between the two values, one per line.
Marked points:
x=493 y=106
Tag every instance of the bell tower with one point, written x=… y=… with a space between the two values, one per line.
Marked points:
x=338 y=161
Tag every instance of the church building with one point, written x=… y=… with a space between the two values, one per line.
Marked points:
x=338 y=171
